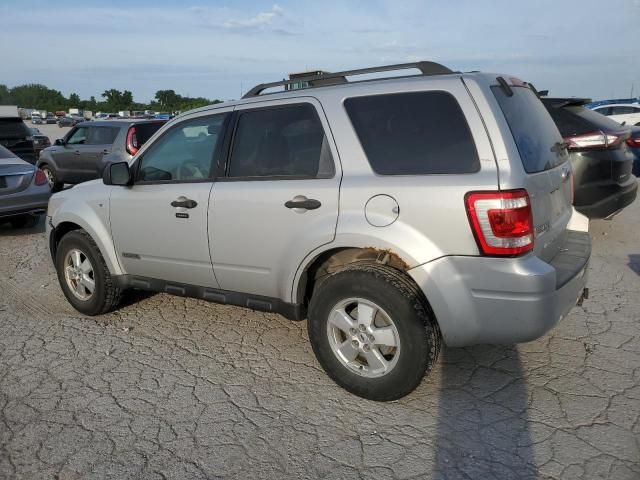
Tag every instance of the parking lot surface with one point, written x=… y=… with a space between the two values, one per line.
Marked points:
x=175 y=388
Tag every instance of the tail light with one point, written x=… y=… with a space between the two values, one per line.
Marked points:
x=597 y=139
x=132 y=141
x=502 y=222
x=41 y=178
x=633 y=142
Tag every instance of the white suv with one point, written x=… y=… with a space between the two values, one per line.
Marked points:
x=392 y=213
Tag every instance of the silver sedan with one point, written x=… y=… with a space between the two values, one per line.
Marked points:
x=24 y=191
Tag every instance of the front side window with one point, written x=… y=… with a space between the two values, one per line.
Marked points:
x=184 y=153
x=286 y=141
x=416 y=133
x=79 y=137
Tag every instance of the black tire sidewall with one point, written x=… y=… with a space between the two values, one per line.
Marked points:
x=405 y=308
x=76 y=239
x=56 y=186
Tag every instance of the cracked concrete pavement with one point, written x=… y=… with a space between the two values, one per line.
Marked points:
x=175 y=388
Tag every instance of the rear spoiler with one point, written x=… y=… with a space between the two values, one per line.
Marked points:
x=565 y=102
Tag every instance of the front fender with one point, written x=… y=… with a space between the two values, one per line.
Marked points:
x=93 y=217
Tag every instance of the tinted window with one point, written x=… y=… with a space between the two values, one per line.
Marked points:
x=13 y=128
x=593 y=119
x=78 y=137
x=280 y=142
x=144 y=131
x=604 y=110
x=414 y=133
x=183 y=153
x=102 y=135
x=623 y=110
x=533 y=129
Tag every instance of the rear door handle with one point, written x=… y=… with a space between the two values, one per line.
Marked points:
x=184 y=203
x=303 y=202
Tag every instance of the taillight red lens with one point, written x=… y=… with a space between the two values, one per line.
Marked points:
x=595 y=139
x=132 y=141
x=502 y=222
x=634 y=142
x=41 y=178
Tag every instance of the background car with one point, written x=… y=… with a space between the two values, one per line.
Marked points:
x=90 y=146
x=40 y=140
x=627 y=113
x=24 y=192
x=36 y=120
x=15 y=136
x=633 y=142
x=66 y=122
x=51 y=118
x=600 y=158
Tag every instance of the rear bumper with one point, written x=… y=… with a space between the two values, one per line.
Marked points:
x=504 y=300
x=33 y=200
x=613 y=203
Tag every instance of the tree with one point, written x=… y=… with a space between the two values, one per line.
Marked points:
x=74 y=100
x=168 y=99
x=5 y=96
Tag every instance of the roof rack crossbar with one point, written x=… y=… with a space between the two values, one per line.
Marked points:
x=426 y=68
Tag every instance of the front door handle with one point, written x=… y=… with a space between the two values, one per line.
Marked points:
x=184 y=203
x=303 y=202
x=77 y=152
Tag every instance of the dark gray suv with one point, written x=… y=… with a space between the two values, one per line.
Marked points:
x=89 y=147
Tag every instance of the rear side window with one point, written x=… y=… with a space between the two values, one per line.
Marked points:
x=144 y=131
x=533 y=129
x=284 y=141
x=417 y=133
x=13 y=128
x=102 y=135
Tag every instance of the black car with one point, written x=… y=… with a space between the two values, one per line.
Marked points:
x=600 y=157
x=89 y=147
x=634 y=145
x=40 y=140
x=16 y=136
x=66 y=122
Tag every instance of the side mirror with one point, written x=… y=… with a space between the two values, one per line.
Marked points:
x=117 y=174
x=59 y=142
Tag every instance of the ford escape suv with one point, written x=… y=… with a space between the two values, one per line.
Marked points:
x=394 y=214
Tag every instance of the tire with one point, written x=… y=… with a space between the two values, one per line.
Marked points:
x=105 y=295
x=24 y=221
x=52 y=178
x=400 y=304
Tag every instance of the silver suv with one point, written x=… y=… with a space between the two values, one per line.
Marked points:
x=393 y=213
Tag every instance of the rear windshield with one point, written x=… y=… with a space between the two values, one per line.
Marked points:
x=533 y=130
x=417 y=133
x=577 y=120
x=144 y=131
x=13 y=128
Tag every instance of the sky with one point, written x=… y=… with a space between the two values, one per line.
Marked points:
x=220 y=49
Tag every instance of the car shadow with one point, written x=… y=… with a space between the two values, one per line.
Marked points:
x=483 y=430
x=7 y=230
x=634 y=262
x=131 y=297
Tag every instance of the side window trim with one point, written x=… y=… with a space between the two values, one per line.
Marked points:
x=233 y=128
x=212 y=177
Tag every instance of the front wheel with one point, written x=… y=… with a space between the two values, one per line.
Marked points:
x=83 y=275
x=372 y=331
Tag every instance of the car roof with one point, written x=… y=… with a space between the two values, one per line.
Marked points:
x=636 y=104
x=120 y=122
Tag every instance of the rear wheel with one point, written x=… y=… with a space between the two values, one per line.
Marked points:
x=52 y=178
x=83 y=275
x=372 y=331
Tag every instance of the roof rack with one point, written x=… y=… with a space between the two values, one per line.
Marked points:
x=324 y=79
